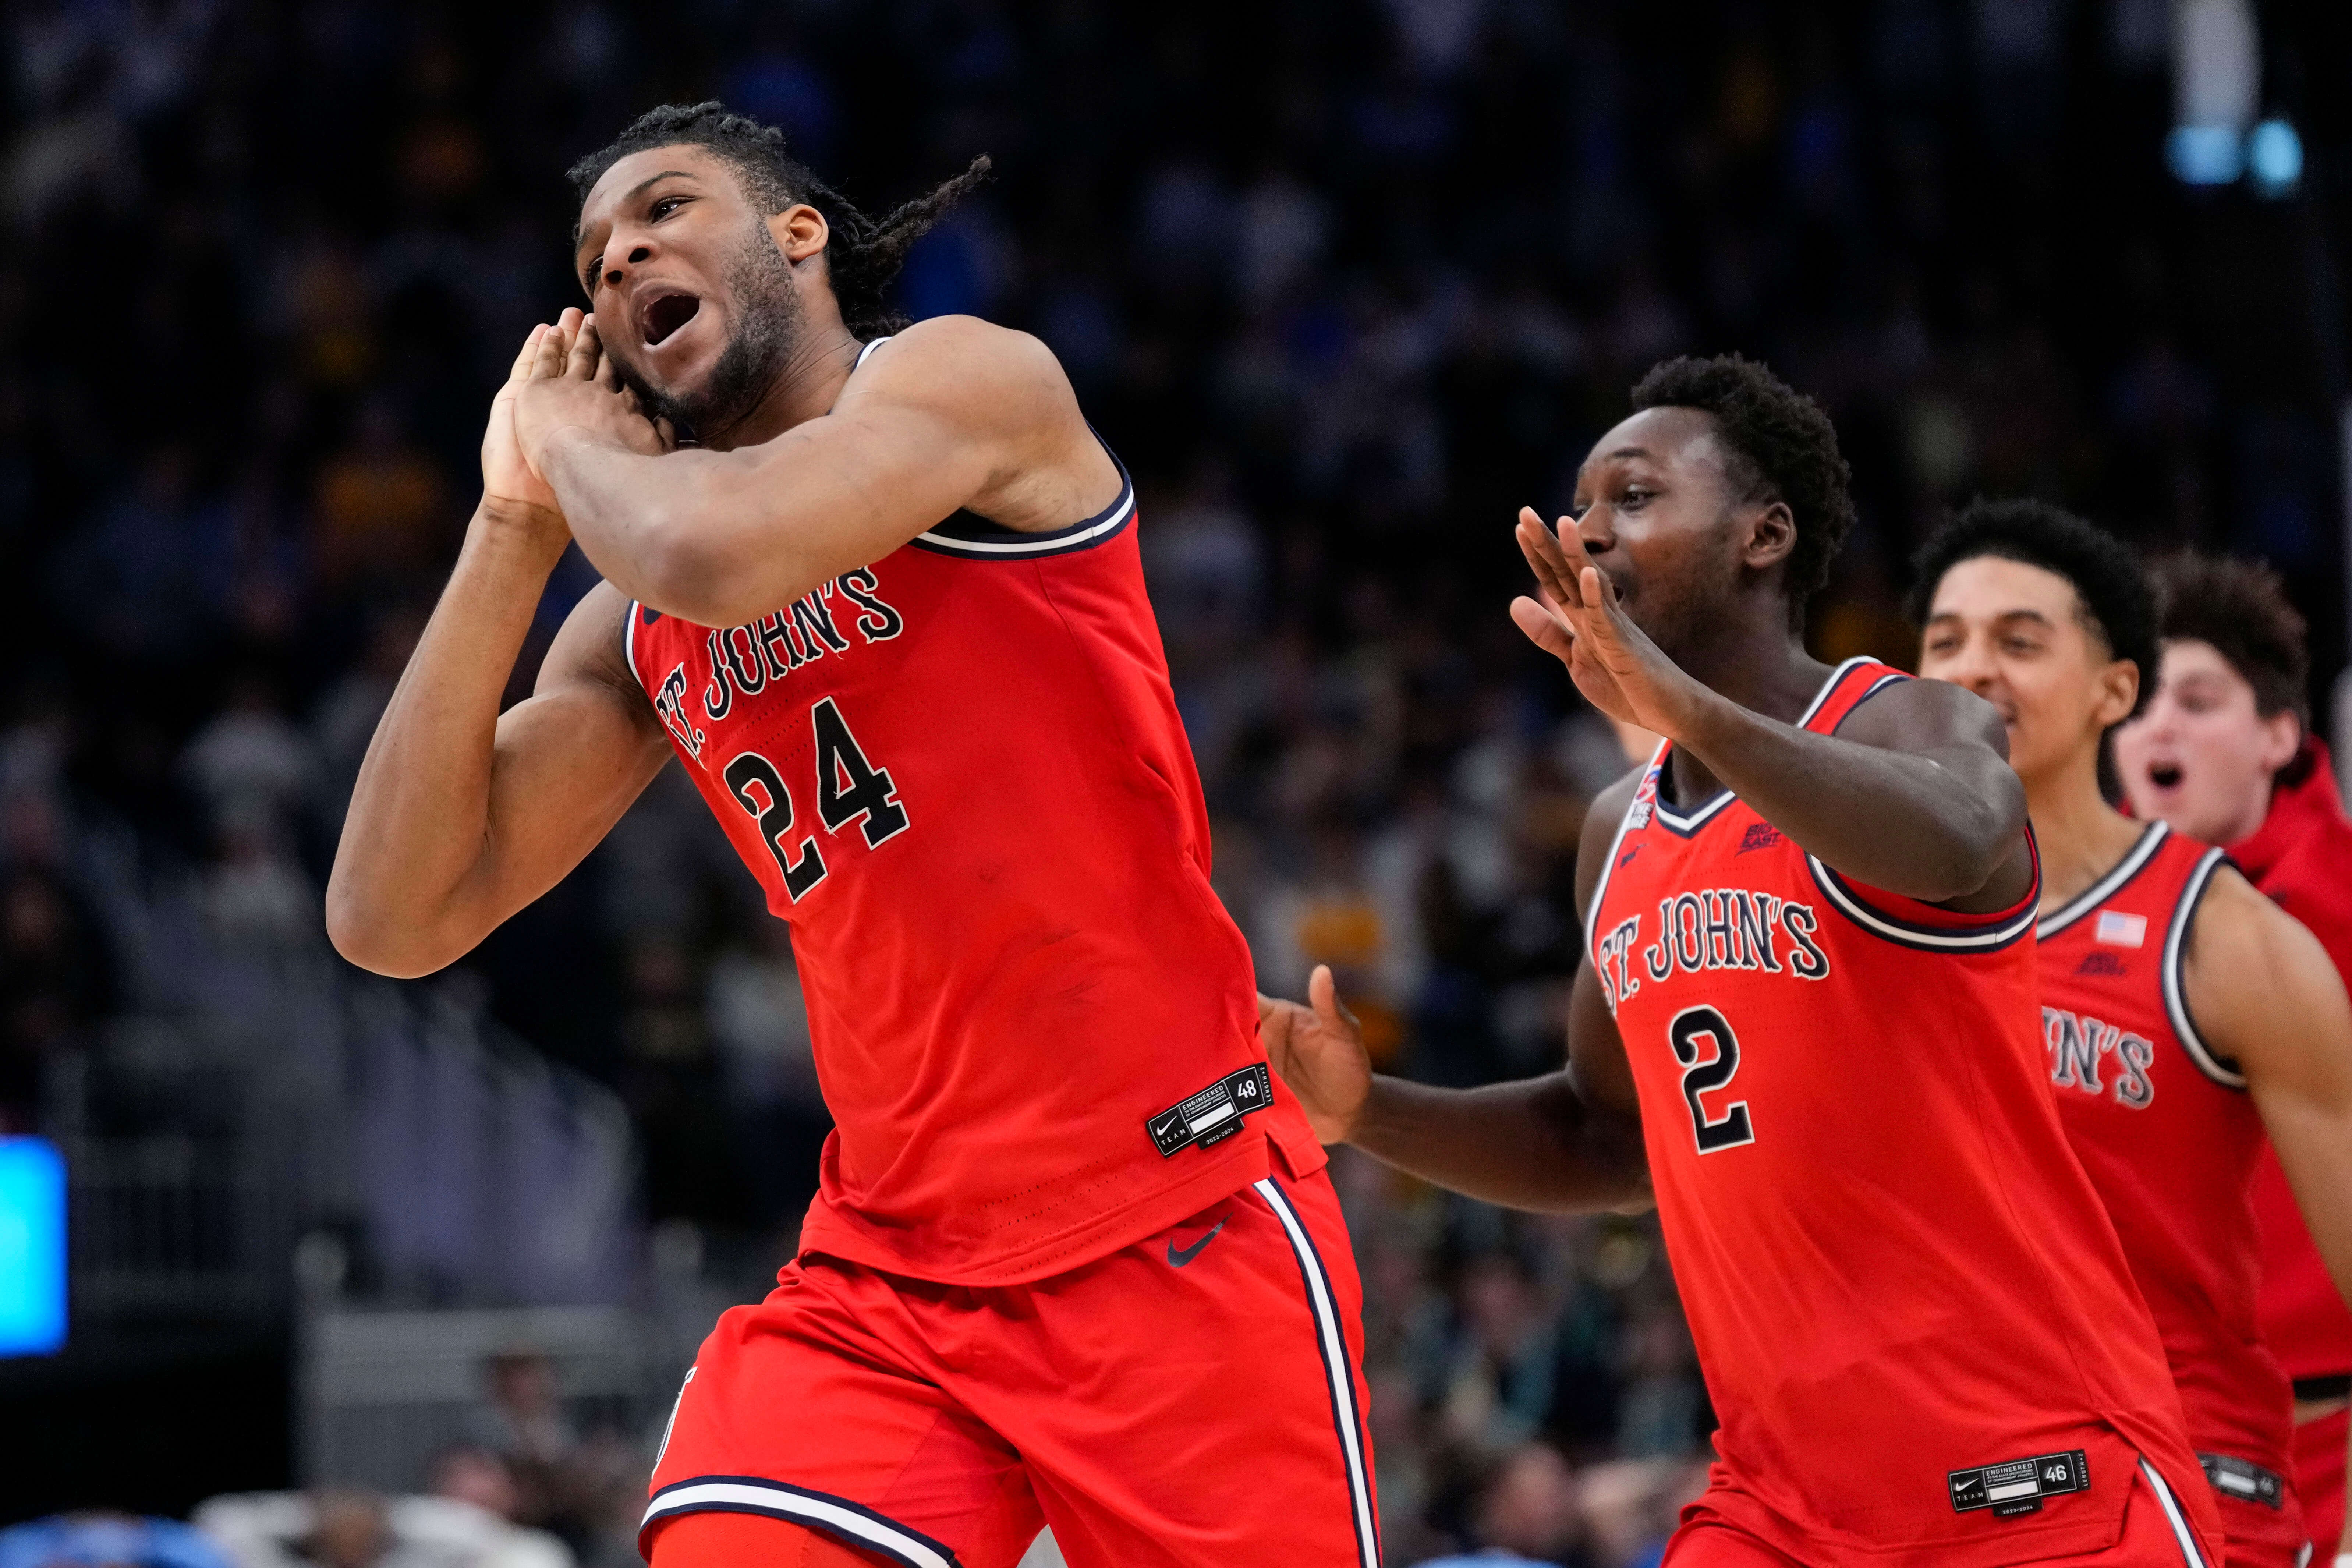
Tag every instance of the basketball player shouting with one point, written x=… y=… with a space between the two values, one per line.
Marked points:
x=1073 y=1260
x=2186 y=1015
x=2223 y=751
x=1809 y=972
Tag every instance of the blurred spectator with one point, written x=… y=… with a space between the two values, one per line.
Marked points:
x=56 y=982
x=343 y=1528
x=1526 y=1513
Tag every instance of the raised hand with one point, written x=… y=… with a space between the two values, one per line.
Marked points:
x=1319 y=1052
x=1575 y=618
x=569 y=381
x=507 y=480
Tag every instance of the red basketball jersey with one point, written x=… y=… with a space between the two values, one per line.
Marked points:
x=2166 y=1132
x=960 y=774
x=1919 y=1333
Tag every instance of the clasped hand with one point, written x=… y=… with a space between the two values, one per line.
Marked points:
x=562 y=380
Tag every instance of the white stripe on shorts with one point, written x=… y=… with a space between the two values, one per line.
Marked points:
x=2181 y=1533
x=1332 y=1342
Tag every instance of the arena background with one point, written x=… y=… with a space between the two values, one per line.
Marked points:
x=1344 y=283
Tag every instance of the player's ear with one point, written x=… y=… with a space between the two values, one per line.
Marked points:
x=801 y=231
x=2118 y=691
x=1771 y=533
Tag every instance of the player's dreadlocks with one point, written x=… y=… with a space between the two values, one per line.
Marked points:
x=2117 y=602
x=864 y=254
x=1783 y=448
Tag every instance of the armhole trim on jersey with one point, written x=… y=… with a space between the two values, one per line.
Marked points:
x=2218 y=1067
x=1828 y=690
x=1624 y=825
x=629 y=642
x=2005 y=926
x=851 y=1523
x=978 y=539
x=2142 y=851
x=1895 y=677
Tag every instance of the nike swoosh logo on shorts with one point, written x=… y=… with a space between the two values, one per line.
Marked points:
x=1181 y=1258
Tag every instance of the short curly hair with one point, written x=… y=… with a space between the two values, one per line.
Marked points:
x=1783 y=448
x=2241 y=608
x=864 y=255
x=2110 y=584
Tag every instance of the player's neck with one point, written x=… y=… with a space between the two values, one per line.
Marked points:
x=1764 y=668
x=2080 y=837
x=806 y=387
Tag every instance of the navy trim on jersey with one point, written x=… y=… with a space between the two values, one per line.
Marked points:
x=853 y=1525
x=629 y=643
x=1919 y=935
x=1881 y=684
x=977 y=538
x=1331 y=1344
x=1829 y=689
x=2218 y=1067
x=2143 y=850
x=1683 y=825
x=1686 y=824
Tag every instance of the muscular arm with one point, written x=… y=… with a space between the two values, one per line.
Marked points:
x=953 y=412
x=2263 y=992
x=462 y=815
x=1567 y=1141
x=1914 y=794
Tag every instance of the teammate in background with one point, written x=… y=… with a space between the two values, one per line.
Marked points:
x=2223 y=752
x=1809 y=971
x=2186 y=1015
x=1073 y=1260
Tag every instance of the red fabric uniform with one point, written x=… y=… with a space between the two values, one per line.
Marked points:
x=2164 y=1130
x=2301 y=857
x=960 y=774
x=1897 y=1275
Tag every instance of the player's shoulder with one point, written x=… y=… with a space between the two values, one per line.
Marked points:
x=965 y=346
x=1903 y=713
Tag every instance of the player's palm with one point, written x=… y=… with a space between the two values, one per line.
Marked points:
x=506 y=476
x=1319 y=1052
x=1577 y=619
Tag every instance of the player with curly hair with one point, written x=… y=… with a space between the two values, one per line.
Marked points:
x=2224 y=752
x=1809 y=997
x=1074 y=1259
x=2191 y=1022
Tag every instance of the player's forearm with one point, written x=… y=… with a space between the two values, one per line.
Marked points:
x=1532 y=1144
x=1928 y=826
x=415 y=836
x=709 y=537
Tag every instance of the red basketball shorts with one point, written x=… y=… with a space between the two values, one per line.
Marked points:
x=1190 y=1401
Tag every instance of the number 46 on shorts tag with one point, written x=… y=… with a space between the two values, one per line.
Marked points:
x=2018 y=1486
x=1213 y=1115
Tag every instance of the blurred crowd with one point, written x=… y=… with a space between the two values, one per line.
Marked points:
x=1344 y=282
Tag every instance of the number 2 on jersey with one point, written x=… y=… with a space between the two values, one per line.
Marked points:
x=1690 y=1026
x=848 y=789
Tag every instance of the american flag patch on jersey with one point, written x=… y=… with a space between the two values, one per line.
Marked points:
x=2120 y=929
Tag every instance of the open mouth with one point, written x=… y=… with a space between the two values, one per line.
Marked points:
x=2165 y=775
x=666 y=315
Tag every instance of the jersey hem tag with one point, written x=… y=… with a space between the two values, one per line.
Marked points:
x=1213 y=1115
x=2016 y=1487
x=2244 y=1479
